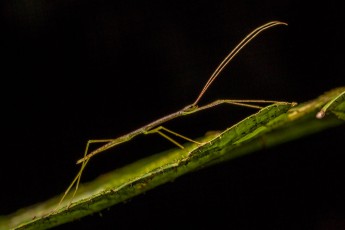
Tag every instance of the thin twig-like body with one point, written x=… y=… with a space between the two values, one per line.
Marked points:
x=193 y=107
x=155 y=126
x=185 y=111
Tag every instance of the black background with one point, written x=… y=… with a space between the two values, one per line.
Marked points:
x=76 y=70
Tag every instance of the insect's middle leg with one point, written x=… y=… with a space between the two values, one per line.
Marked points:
x=159 y=130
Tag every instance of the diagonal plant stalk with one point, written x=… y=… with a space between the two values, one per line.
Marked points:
x=270 y=126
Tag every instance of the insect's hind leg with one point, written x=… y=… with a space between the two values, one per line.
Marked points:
x=159 y=130
x=76 y=180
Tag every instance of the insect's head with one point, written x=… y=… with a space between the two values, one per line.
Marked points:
x=189 y=109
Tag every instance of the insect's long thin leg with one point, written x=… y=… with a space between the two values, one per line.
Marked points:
x=243 y=103
x=70 y=187
x=168 y=138
x=76 y=180
x=233 y=53
x=158 y=130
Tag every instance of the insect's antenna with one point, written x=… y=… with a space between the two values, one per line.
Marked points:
x=233 y=53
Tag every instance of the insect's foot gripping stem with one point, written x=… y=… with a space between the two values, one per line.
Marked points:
x=75 y=183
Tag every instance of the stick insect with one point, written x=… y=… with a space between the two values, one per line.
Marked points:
x=156 y=126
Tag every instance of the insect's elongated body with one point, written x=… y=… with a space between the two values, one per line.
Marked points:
x=155 y=126
x=184 y=111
